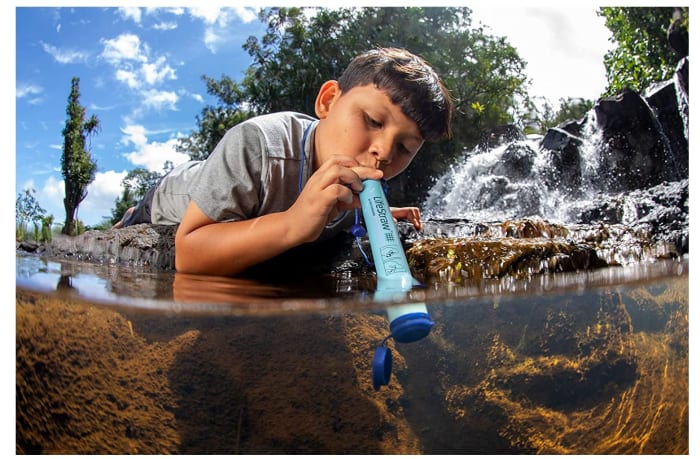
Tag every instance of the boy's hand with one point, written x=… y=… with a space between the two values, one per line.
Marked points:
x=412 y=214
x=332 y=189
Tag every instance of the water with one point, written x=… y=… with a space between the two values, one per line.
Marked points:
x=121 y=360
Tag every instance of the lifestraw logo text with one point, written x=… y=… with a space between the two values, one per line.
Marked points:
x=381 y=213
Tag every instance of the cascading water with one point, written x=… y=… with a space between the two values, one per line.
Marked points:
x=520 y=179
x=594 y=169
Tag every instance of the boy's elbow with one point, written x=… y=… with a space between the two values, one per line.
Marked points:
x=182 y=258
x=189 y=253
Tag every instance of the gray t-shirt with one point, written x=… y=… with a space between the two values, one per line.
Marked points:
x=258 y=168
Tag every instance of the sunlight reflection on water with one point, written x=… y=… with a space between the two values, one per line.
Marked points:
x=138 y=288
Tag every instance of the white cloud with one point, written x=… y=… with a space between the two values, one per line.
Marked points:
x=151 y=155
x=246 y=14
x=154 y=155
x=158 y=100
x=131 y=12
x=128 y=77
x=209 y=14
x=212 y=39
x=50 y=197
x=102 y=193
x=27 y=89
x=126 y=47
x=218 y=23
x=135 y=134
x=198 y=97
x=165 y=25
x=107 y=184
x=65 y=56
x=99 y=201
x=135 y=69
x=157 y=71
x=562 y=45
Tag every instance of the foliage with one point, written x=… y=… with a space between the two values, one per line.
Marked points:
x=77 y=165
x=215 y=120
x=303 y=47
x=45 y=235
x=643 y=55
x=537 y=119
x=28 y=210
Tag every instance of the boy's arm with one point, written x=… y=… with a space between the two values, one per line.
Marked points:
x=205 y=246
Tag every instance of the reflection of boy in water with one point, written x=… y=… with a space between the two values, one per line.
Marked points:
x=277 y=181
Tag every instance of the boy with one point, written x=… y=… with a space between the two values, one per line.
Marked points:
x=277 y=181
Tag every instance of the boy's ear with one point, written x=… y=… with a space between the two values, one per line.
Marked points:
x=329 y=92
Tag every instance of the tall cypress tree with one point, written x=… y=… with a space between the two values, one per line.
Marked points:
x=77 y=165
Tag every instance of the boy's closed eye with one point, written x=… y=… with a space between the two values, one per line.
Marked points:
x=371 y=122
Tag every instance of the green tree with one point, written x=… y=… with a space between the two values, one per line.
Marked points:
x=46 y=222
x=536 y=119
x=27 y=209
x=77 y=165
x=643 y=55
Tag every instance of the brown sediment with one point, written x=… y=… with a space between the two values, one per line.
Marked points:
x=545 y=375
x=85 y=384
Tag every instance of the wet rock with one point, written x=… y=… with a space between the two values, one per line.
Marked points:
x=663 y=98
x=153 y=246
x=677 y=35
x=638 y=151
x=456 y=260
x=566 y=158
x=663 y=210
x=517 y=162
x=499 y=135
x=138 y=245
x=28 y=246
x=644 y=138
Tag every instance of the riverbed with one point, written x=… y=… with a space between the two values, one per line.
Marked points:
x=112 y=359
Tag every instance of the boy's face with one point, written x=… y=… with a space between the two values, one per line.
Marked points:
x=365 y=125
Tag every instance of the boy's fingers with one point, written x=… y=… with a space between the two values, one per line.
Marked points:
x=350 y=176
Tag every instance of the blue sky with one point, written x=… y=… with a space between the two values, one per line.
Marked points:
x=140 y=73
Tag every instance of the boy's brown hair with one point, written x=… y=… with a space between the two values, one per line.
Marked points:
x=410 y=83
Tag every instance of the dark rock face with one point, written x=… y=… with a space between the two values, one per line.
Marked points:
x=638 y=151
x=499 y=135
x=644 y=137
x=564 y=144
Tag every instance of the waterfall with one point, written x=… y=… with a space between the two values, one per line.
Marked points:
x=580 y=171
x=681 y=97
x=518 y=179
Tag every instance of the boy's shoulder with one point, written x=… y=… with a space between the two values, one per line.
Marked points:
x=279 y=134
x=281 y=120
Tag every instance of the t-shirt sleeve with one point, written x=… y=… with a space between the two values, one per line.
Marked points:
x=230 y=185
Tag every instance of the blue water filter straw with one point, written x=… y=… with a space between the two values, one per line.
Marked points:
x=407 y=322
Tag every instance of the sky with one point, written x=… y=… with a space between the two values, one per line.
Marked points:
x=140 y=73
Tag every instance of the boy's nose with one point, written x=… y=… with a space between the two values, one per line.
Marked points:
x=381 y=155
